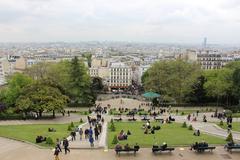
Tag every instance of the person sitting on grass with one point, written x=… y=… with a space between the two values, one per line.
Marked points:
x=152 y=131
x=171 y=119
x=196 y=133
x=118 y=147
x=51 y=130
x=122 y=136
x=146 y=131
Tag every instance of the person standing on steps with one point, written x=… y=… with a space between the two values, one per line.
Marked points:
x=65 y=145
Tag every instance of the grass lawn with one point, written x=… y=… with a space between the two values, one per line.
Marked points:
x=236 y=115
x=235 y=126
x=190 y=111
x=173 y=134
x=31 y=131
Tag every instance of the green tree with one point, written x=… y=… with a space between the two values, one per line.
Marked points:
x=15 y=83
x=198 y=93
x=39 y=97
x=97 y=84
x=219 y=83
x=88 y=56
x=236 y=83
x=80 y=83
x=171 y=78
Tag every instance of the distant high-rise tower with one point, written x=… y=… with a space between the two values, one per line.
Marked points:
x=205 y=42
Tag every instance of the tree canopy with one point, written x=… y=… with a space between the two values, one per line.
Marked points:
x=171 y=78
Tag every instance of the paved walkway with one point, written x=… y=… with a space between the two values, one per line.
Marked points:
x=84 y=143
x=209 y=128
x=11 y=150
x=58 y=120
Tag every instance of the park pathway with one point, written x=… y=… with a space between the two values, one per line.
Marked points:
x=209 y=128
x=84 y=143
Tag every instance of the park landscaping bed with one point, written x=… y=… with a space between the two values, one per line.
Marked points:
x=235 y=126
x=173 y=134
x=29 y=132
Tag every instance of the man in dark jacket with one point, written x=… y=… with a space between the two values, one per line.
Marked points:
x=65 y=145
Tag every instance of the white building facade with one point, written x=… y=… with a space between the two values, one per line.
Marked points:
x=120 y=76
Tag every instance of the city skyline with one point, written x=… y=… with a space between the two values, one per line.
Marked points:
x=172 y=21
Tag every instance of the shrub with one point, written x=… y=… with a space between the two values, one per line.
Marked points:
x=69 y=128
x=221 y=123
x=72 y=125
x=184 y=125
x=81 y=121
x=112 y=127
x=85 y=113
x=182 y=113
x=190 y=127
x=229 y=137
x=49 y=141
x=115 y=140
x=110 y=112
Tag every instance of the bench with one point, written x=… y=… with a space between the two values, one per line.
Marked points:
x=145 y=119
x=159 y=120
x=118 y=119
x=132 y=119
x=131 y=150
x=232 y=147
x=160 y=149
x=202 y=149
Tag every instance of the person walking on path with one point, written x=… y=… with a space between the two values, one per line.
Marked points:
x=86 y=132
x=80 y=133
x=65 y=145
x=90 y=132
x=56 y=153
x=96 y=132
x=58 y=145
x=91 y=140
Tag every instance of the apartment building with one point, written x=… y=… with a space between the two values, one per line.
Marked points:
x=120 y=76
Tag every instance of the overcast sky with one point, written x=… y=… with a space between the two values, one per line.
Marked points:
x=182 y=21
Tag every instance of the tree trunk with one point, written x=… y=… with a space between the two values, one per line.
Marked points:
x=53 y=113
x=40 y=114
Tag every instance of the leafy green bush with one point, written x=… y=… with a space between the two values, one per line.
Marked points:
x=85 y=113
x=110 y=112
x=81 y=121
x=182 y=113
x=221 y=123
x=69 y=128
x=72 y=124
x=49 y=141
x=190 y=127
x=115 y=140
x=229 y=137
x=184 y=125
x=112 y=127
